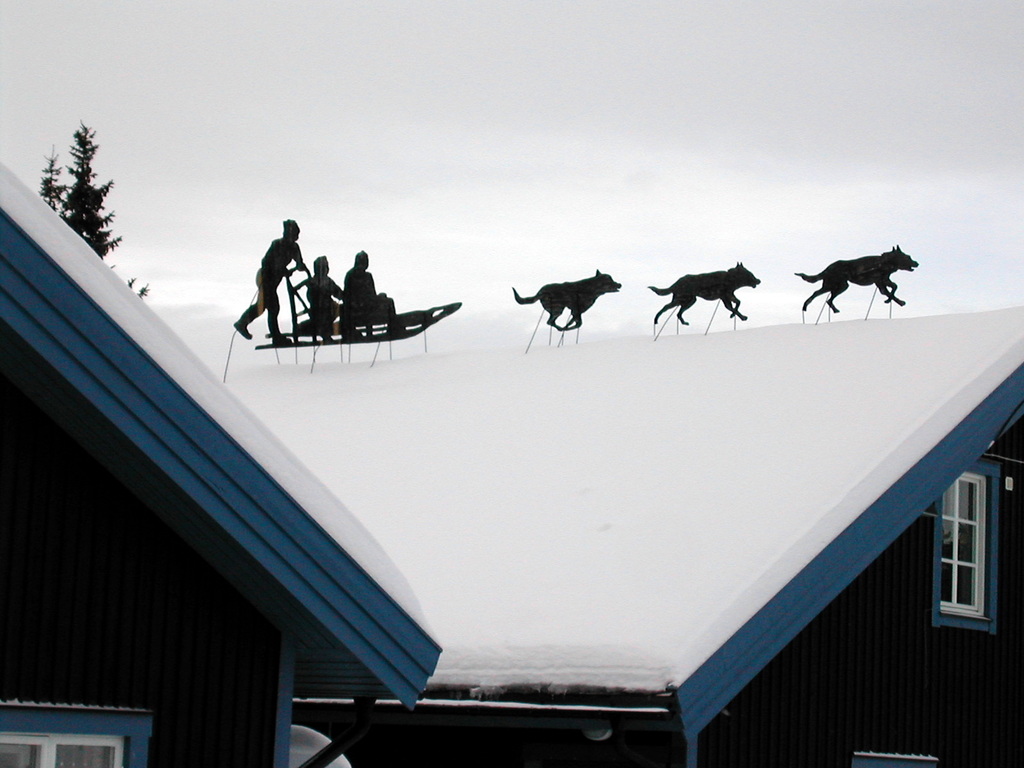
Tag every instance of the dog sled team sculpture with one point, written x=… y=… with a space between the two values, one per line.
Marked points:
x=326 y=313
x=322 y=312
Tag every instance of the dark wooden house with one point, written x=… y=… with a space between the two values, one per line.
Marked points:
x=165 y=592
x=883 y=627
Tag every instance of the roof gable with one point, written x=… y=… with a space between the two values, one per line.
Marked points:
x=82 y=366
x=707 y=691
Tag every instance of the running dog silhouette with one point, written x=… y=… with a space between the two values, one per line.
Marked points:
x=867 y=270
x=577 y=297
x=711 y=286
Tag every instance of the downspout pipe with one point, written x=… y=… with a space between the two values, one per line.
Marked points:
x=619 y=731
x=338 y=747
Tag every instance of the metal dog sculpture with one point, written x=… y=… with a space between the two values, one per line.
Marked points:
x=710 y=286
x=577 y=297
x=867 y=270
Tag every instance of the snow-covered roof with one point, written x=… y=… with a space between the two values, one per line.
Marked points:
x=94 y=355
x=610 y=515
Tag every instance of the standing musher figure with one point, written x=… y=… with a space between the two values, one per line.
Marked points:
x=273 y=270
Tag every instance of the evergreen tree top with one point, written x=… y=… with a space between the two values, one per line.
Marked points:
x=51 y=190
x=80 y=204
x=83 y=203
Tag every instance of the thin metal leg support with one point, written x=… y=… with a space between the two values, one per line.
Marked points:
x=227 y=362
x=657 y=331
x=535 y=332
x=872 y=303
x=713 y=313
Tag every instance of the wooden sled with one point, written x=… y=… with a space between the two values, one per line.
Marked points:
x=376 y=327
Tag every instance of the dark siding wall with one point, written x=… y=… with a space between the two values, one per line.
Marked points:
x=871 y=673
x=102 y=604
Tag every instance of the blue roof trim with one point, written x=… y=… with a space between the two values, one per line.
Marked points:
x=250 y=529
x=705 y=693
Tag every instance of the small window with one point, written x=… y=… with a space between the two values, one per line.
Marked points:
x=962 y=582
x=18 y=750
x=58 y=737
x=965 y=556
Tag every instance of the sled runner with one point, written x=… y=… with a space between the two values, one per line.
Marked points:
x=360 y=323
x=365 y=330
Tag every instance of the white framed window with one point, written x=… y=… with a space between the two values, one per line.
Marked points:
x=967 y=550
x=56 y=736
x=26 y=750
x=963 y=554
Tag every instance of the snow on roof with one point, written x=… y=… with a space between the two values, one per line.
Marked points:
x=107 y=289
x=608 y=514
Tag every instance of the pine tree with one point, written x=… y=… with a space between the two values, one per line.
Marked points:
x=51 y=190
x=80 y=205
x=83 y=202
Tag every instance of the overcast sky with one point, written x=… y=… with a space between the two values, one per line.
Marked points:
x=470 y=147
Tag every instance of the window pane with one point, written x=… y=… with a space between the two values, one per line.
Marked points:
x=968 y=500
x=966 y=552
x=19 y=756
x=84 y=756
x=948 y=528
x=947 y=583
x=965 y=585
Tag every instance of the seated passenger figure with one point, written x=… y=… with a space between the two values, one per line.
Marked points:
x=363 y=305
x=321 y=292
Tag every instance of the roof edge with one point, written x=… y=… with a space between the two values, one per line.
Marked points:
x=737 y=661
x=73 y=341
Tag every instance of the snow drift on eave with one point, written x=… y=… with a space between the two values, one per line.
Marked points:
x=104 y=286
x=609 y=514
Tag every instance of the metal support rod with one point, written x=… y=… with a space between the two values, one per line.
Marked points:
x=535 y=332
x=658 y=332
x=227 y=362
x=713 y=313
x=819 y=312
x=872 y=302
